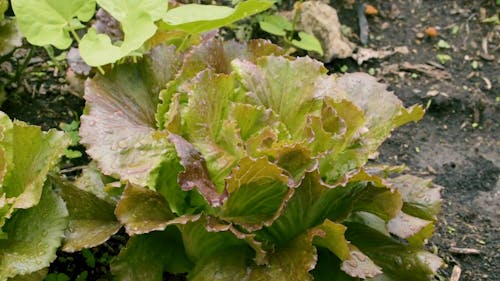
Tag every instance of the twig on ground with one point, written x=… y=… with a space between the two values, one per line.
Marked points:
x=455 y=274
x=465 y=251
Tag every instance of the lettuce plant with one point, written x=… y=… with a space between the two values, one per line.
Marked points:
x=33 y=218
x=241 y=163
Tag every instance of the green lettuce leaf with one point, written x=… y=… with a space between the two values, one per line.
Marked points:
x=127 y=145
x=10 y=37
x=196 y=18
x=44 y=22
x=33 y=154
x=91 y=219
x=142 y=210
x=147 y=256
x=290 y=101
x=367 y=94
x=213 y=54
x=4 y=4
x=34 y=236
x=421 y=198
x=398 y=261
x=210 y=95
x=258 y=191
x=292 y=262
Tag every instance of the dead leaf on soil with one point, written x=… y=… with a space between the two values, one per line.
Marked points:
x=428 y=70
x=364 y=54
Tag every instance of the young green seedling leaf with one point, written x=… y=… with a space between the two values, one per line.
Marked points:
x=137 y=22
x=276 y=25
x=195 y=18
x=49 y=22
x=308 y=42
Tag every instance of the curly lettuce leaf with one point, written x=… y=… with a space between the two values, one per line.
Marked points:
x=34 y=236
x=209 y=96
x=44 y=22
x=292 y=100
x=382 y=112
x=10 y=37
x=258 y=191
x=91 y=219
x=142 y=210
x=421 y=198
x=32 y=153
x=212 y=54
x=292 y=262
x=118 y=126
x=397 y=260
x=147 y=256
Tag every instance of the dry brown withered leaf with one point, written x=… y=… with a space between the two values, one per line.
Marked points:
x=426 y=69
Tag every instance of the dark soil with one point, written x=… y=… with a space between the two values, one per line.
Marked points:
x=456 y=143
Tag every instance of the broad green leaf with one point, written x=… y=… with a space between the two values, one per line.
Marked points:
x=421 y=198
x=357 y=267
x=250 y=118
x=293 y=261
x=227 y=265
x=333 y=239
x=91 y=219
x=6 y=156
x=34 y=276
x=47 y=22
x=312 y=202
x=214 y=54
x=206 y=236
x=4 y=4
x=142 y=210
x=397 y=260
x=205 y=126
x=34 y=236
x=380 y=201
x=382 y=112
x=180 y=201
x=195 y=18
x=92 y=181
x=34 y=153
x=276 y=25
x=10 y=37
x=137 y=21
x=258 y=190
x=308 y=42
x=328 y=267
x=288 y=88
x=118 y=125
x=296 y=159
x=147 y=256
